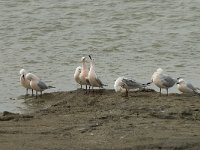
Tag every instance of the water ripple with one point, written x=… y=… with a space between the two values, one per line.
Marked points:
x=130 y=38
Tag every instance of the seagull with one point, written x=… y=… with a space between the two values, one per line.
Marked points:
x=37 y=84
x=84 y=73
x=123 y=85
x=185 y=87
x=24 y=81
x=92 y=77
x=77 y=74
x=162 y=81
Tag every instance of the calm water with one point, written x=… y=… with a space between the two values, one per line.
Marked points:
x=126 y=37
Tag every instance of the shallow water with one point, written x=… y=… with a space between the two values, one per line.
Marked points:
x=129 y=38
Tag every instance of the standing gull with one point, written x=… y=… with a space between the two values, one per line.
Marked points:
x=77 y=75
x=36 y=84
x=84 y=73
x=185 y=87
x=92 y=77
x=123 y=85
x=24 y=81
x=162 y=81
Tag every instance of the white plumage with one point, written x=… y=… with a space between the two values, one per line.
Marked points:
x=162 y=81
x=123 y=85
x=77 y=75
x=92 y=77
x=24 y=81
x=185 y=87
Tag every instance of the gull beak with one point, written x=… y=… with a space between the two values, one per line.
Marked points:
x=85 y=60
x=90 y=57
x=179 y=78
x=149 y=83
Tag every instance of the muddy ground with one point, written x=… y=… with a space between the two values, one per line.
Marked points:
x=106 y=120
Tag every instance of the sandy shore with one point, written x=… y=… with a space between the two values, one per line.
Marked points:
x=106 y=120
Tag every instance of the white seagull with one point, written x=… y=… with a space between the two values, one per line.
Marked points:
x=92 y=77
x=162 y=81
x=185 y=87
x=36 y=84
x=84 y=73
x=77 y=75
x=123 y=85
x=24 y=81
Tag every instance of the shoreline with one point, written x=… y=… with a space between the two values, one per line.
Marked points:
x=107 y=120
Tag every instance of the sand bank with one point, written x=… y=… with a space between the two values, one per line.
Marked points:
x=106 y=120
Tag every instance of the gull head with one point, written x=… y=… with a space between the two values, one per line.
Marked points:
x=92 y=59
x=180 y=81
x=23 y=72
x=31 y=76
x=78 y=69
x=159 y=70
x=179 y=78
x=83 y=59
x=118 y=85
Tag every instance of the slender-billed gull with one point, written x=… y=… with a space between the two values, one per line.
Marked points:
x=36 y=84
x=185 y=87
x=92 y=77
x=24 y=81
x=162 y=81
x=84 y=73
x=123 y=85
x=77 y=75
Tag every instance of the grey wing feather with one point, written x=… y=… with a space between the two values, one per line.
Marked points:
x=99 y=82
x=88 y=82
x=191 y=86
x=42 y=85
x=131 y=84
x=168 y=81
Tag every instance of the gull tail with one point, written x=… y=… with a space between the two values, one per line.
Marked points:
x=102 y=85
x=50 y=87
x=197 y=91
x=148 y=83
x=144 y=85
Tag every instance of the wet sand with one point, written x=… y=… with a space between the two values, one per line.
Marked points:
x=105 y=120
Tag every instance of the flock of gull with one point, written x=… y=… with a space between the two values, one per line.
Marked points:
x=89 y=78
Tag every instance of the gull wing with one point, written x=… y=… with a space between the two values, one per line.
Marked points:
x=42 y=85
x=189 y=85
x=99 y=82
x=132 y=84
x=88 y=82
x=167 y=81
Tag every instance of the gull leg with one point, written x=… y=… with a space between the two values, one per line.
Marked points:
x=26 y=91
x=32 y=92
x=92 y=89
x=86 y=89
x=99 y=90
x=36 y=95
x=126 y=93
x=160 y=91
x=167 y=91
